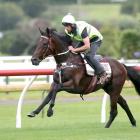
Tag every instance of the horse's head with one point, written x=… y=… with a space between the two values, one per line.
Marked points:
x=43 y=48
x=50 y=43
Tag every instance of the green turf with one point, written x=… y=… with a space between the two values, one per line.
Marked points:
x=71 y=121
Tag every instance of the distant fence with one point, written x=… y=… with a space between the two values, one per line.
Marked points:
x=18 y=88
x=18 y=64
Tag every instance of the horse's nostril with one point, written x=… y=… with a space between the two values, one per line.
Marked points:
x=32 y=60
x=35 y=61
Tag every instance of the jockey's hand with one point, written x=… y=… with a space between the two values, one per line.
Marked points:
x=71 y=48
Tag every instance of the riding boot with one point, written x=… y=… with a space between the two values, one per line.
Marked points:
x=102 y=78
x=99 y=70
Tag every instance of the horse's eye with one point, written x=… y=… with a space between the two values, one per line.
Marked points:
x=45 y=44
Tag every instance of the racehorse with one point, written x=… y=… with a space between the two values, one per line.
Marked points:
x=70 y=75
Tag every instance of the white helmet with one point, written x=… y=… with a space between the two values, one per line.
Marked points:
x=68 y=19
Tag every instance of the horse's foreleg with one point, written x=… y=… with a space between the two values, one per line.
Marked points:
x=52 y=103
x=45 y=101
x=37 y=111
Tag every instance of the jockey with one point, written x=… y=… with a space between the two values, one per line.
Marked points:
x=89 y=39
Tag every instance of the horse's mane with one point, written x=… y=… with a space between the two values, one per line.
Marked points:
x=66 y=41
x=62 y=37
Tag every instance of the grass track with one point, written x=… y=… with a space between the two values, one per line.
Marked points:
x=71 y=121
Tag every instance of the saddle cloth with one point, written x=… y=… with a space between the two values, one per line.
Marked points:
x=90 y=71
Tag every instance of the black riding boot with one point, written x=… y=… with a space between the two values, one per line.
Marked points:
x=99 y=70
x=95 y=64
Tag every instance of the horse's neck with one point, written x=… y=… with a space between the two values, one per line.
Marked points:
x=61 y=58
x=62 y=47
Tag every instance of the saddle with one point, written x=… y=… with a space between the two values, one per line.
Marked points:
x=90 y=71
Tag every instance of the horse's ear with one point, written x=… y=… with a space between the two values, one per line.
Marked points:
x=41 y=32
x=48 y=32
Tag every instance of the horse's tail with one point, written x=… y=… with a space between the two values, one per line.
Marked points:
x=134 y=76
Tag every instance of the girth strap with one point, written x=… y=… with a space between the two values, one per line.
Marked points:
x=92 y=85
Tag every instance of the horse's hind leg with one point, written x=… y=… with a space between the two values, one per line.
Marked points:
x=113 y=110
x=124 y=105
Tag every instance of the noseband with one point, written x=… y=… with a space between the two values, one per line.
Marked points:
x=42 y=36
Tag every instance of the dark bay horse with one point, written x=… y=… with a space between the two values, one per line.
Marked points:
x=70 y=75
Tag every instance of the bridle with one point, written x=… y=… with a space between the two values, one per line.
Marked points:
x=59 y=54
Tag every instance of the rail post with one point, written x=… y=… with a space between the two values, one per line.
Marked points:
x=103 y=109
x=20 y=102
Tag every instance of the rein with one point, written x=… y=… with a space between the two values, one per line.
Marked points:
x=62 y=53
x=42 y=36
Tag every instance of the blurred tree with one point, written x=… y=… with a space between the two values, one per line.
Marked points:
x=13 y=43
x=5 y=43
x=96 y=1
x=127 y=23
x=22 y=40
x=56 y=2
x=34 y=8
x=127 y=8
x=11 y=0
x=131 y=7
x=130 y=43
x=10 y=15
x=110 y=46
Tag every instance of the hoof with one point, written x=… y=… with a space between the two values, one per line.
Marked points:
x=50 y=113
x=134 y=123
x=107 y=126
x=134 y=126
x=31 y=115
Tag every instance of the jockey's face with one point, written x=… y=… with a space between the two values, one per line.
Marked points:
x=68 y=28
